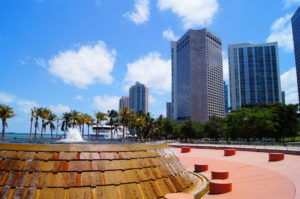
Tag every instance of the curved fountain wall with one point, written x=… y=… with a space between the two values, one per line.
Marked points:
x=91 y=171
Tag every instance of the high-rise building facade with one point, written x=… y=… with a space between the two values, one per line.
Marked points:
x=254 y=74
x=138 y=97
x=197 y=76
x=296 y=36
x=169 y=110
x=226 y=97
x=123 y=102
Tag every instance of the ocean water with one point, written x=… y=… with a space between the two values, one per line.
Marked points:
x=26 y=135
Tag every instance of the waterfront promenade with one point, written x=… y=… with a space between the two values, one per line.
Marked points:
x=251 y=173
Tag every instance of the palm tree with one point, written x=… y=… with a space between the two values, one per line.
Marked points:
x=125 y=114
x=50 y=121
x=5 y=113
x=44 y=114
x=113 y=119
x=100 y=117
x=31 y=121
x=80 y=120
x=89 y=121
x=74 y=117
x=66 y=122
x=138 y=122
x=37 y=113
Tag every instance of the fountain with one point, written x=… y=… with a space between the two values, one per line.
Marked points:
x=73 y=135
x=75 y=168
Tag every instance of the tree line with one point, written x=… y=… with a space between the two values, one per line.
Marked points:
x=271 y=121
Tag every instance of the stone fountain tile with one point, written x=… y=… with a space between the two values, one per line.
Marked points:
x=60 y=166
x=60 y=179
x=130 y=191
x=81 y=192
x=19 y=179
x=177 y=183
x=88 y=179
x=162 y=172
x=33 y=166
x=164 y=186
x=98 y=165
x=74 y=179
x=107 y=192
x=114 y=177
x=52 y=193
x=134 y=175
x=3 y=177
x=42 y=156
x=80 y=166
x=107 y=155
x=148 y=190
x=149 y=173
x=99 y=178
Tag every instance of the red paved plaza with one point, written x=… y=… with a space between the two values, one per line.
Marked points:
x=251 y=173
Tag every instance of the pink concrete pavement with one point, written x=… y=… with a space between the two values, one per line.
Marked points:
x=252 y=175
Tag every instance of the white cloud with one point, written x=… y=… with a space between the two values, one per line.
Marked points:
x=59 y=109
x=79 y=97
x=141 y=12
x=281 y=32
x=193 y=13
x=40 y=62
x=105 y=103
x=7 y=98
x=26 y=105
x=152 y=71
x=289 y=85
x=169 y=35
x=225 y=67
x=85 y=66
x=289 y=3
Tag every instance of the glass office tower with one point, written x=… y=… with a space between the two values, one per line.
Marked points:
x=296 y=36
x=138 y=97
x=254 y=74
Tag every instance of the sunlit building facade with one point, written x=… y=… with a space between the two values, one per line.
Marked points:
x=197 y=76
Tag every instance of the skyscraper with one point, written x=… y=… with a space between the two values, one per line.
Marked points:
x=169 y=110
x=296 y=36
x=197 y=76
x=138 y=97
x=254 y=74
x=123 y=102
x=226 y=97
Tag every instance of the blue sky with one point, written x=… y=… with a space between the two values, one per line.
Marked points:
x=84 y=54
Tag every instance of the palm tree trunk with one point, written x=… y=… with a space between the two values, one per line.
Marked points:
x=83 y=130
x=88 y=131
x=30 y=133
x=42 y=129
x=3 y=128
x=111 y=133
x=56 y=129
x=123 y=132
x=35 y=126
x=51 y=133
